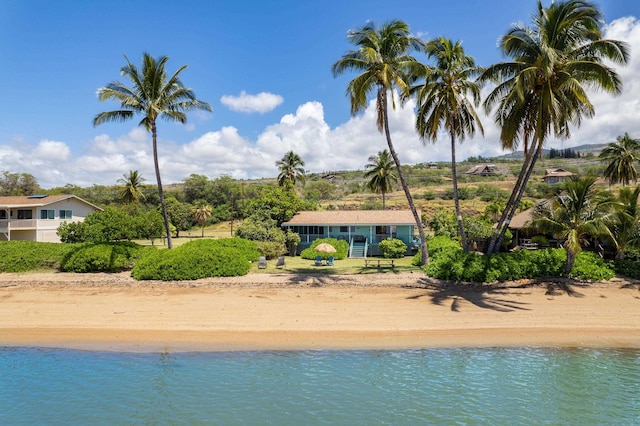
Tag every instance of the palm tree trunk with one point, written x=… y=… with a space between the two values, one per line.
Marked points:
x=571 y=258
x=163 y=205
x=423 y=241
x=383 y=200
x=456 y=200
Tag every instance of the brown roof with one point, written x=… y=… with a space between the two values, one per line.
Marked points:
x=520 y=220
x=557 y=172
x=37 y=200
x=353 y=217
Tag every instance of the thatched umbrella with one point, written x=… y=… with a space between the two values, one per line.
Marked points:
x=325 y=248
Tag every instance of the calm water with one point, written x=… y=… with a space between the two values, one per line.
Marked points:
x=462 y=386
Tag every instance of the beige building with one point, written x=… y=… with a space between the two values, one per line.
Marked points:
x=37 y=217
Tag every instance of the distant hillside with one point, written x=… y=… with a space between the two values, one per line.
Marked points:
x=592 y=148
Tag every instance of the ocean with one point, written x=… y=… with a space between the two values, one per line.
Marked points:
x=494 y=386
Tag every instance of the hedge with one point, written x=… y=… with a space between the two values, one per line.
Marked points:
x=341 y=246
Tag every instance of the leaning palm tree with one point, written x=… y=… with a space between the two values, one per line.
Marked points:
x=542 y=90
x=382 y=58
x=579 y=213
x=443 y=100
x=153 y=95
x=625 y=222
x=382 y=174
x=131 y=192
x=621 y=156
x=201 y=213
x=291 y=169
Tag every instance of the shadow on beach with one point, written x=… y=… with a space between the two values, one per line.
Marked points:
x=498 y=297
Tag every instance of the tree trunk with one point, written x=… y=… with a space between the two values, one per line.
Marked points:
x=423 y=241
x=456 y=200
x=165 y=216
x=571 y=258
x=383 y=200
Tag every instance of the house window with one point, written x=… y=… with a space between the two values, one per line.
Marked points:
x=66 y=214
x=344 y=229
x=382 y=230
x=25 y=214
x=47 y=214
x=3 y=214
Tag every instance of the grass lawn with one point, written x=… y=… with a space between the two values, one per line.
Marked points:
x=298 y=265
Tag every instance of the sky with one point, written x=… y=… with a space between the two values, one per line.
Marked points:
x=265 y=68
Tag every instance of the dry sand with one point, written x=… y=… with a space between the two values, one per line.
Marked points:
x=286 y=311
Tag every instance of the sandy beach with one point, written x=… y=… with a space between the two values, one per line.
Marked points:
x=287 y=311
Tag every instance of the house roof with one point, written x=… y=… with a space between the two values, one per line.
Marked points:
x=38 y=200
x=557 y=172
x=521 y=219
x=482 y=168
x=353 y=217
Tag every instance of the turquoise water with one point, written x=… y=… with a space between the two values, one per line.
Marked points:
x=439 y=386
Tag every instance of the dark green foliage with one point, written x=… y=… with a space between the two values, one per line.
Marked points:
x=101 y=257
x=341 y=246
x=393 y=248
x=449 y=262
x=20 y=256
x=197 y=259
x=628 y=268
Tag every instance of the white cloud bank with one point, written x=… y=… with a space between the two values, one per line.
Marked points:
x=260 y=103
x=347 y=146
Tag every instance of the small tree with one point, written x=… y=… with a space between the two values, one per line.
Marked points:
x=393 y=248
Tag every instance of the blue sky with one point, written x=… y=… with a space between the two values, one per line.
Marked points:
x=265 y=69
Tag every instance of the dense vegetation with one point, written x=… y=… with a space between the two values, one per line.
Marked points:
x=341 y=246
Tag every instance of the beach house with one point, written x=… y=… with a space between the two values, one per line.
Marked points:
x=552 y=176
x=37 y=217
x=362 y=229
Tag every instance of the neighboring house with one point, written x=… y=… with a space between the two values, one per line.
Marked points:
x=37 y=217
x=362 y=229
x=482 y=170
x=556 y=175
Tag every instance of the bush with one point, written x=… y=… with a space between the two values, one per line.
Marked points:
x=197 y=259
x=449 y=262
x=101 y=257
x=341 y=246
x=21 y=256
x=541 y=240
x=393 y=248
x=628 y=268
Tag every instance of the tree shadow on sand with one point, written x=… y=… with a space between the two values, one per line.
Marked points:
x=498 y=297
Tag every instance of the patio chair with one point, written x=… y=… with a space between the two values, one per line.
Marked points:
x=318 y=261
x=330 y=261
x=280 y=263
x=262 y=262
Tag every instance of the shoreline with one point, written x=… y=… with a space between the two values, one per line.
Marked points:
x=266 y=312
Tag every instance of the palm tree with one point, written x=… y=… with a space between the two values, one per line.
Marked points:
x=542 y=90
x=381 y=171
x=443 y=99
x=131 y=192
x=291 y=169
x=625 y=222
x=384 y=64
x=622 y=156
x=201 y=213
x=575 y=215
x=154 y=96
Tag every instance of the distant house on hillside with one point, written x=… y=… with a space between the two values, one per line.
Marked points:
x=362 y=229
x=37 y=217
x=482 y=170
x=552 y=176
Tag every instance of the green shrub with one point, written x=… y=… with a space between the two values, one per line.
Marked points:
x=101 y=257
x=589 y=266
x=392 y=248
x=20 y=256
x=541 y=240
x=197 y=259
x=429 y=195
x=628 y=268
x=341 y=246
x=271 y=249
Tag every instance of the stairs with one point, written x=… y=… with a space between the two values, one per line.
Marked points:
x=358 y=249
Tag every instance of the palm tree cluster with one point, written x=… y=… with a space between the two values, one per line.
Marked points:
x=539 y=92
x=621 y=157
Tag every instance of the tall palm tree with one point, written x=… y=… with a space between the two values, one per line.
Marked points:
x=542 y=90
x=153 y=95
x=443 y=99
x=131 y=192
x=201 y=213
x=621 y=156
x=625 y=222
x=382 y=58
x=382 y=174
x=291 y=169
x=575 y=215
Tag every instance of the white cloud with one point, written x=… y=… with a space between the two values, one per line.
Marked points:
x=260 y=103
